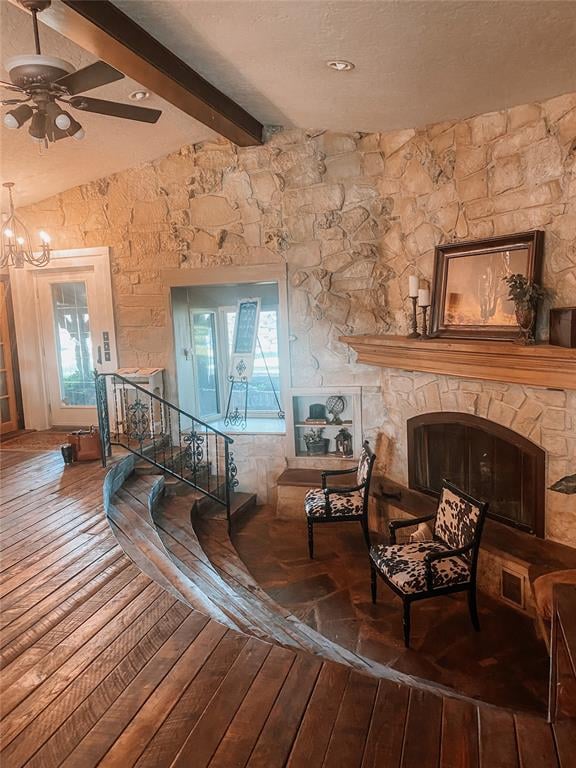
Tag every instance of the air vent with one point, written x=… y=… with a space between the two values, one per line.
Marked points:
x=512 y=587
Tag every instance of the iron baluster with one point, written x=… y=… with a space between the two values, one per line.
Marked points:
x=141 y=416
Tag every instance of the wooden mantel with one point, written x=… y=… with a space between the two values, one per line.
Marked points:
x=540 y=365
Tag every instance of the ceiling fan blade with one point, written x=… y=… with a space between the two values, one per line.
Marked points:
x=89 y=77
x=115 y=109
x=11 y=86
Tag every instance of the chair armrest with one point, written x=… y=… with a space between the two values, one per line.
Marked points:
x=332 y=472
x=431 y=557
x=406 y=523
x=344 y=489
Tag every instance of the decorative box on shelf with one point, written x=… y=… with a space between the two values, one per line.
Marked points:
x=325 y=423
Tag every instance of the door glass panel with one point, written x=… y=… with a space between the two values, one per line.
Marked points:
x=205 y=354
x=3 y=384
x=2 y=355
x=4 y=410
x=73 y=344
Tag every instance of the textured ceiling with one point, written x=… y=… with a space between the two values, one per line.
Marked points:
x=417 y=61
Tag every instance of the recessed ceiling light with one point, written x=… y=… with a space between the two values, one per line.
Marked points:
x=139 y=95
x=340 y=65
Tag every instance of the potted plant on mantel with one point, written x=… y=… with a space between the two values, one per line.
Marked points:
x=525 y=294
x=316 y=444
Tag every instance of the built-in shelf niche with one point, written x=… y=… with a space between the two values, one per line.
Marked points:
x=300 y=401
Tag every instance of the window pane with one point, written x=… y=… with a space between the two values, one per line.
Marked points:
x=205 y=352
x=4 y=410
x=73 y=344
x=260 y=392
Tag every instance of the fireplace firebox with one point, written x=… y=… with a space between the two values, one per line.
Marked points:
x=485 y=459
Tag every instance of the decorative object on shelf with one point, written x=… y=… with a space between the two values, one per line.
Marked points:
x=424 y=303
x=317 y=414
x=335 y=406
x=39 y=83
x=563 y=327
x=565 y=485
x=316 y=444
x=344 y=443
x=525 y=294
x=469 y=298
x=16 y=244
x=413 y=288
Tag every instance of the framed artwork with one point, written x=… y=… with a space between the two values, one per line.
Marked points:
x=470 y=298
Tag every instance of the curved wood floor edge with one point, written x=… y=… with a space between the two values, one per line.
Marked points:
x=104 y=664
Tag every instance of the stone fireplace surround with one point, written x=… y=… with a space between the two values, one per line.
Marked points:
x=545 y=417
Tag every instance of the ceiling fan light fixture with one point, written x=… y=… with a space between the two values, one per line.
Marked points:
x=38 y=126
x=75 y=129
x=57 y=115
x=15 y=118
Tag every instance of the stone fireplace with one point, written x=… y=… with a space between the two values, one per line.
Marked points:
x=483 y=458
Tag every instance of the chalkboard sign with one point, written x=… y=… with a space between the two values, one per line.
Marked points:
x=245 y=336
x=246 y=327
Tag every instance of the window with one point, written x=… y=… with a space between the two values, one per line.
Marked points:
x=261 y=398
x=205 y=357
x=73 y=344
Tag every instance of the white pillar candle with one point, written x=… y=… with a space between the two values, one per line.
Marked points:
x=423 y=297
x=413 y=286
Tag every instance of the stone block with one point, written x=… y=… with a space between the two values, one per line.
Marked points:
x=474 y=186
x=324 y=197
x=486 y=128
x=212 y=211
x=505 y=174
x=392 y=141
x=469 y=160
x=346 y=166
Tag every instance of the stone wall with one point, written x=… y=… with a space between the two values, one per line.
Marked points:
x=352 y=215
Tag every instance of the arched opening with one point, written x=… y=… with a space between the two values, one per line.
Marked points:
x=483 y=458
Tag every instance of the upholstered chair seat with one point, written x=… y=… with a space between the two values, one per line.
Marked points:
x=404 y=566
x=340 y=503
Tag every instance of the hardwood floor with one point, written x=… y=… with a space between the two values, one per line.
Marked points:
x=102 y=666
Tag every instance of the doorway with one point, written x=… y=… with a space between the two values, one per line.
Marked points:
x=70 y=335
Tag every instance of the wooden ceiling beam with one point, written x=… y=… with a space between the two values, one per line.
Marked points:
x=101 y=28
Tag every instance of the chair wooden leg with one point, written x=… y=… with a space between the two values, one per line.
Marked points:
x=406 y=623
x=310 y=540
x=373 y=582
x=366 y=533
x=472 y=607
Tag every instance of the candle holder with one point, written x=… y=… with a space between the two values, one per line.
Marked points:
x=424 y=334
x=414 y=334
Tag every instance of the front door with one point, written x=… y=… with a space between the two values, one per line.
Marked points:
x=64 y=320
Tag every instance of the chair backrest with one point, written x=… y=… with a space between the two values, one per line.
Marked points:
x=364 y=472
x=459 y=518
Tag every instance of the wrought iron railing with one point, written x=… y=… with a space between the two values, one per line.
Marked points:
x=166 y=436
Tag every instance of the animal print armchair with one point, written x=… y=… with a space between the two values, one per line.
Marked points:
x=447 y=563
x=341 y=503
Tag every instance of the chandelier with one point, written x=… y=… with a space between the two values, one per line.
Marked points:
x=16 y=244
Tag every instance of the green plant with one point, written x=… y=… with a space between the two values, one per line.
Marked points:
x=314 y=436
x=523 y=291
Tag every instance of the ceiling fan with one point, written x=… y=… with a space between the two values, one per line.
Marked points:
x=46 y=82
